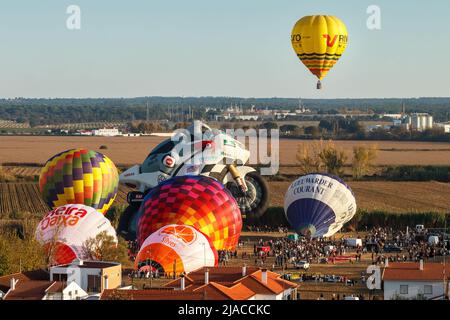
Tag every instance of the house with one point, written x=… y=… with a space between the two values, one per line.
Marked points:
x=35 y=285
x=77 y=280
x=106 y=132
x=246 y=283
x=416 y=280
x=91 y=276
x=216 y=283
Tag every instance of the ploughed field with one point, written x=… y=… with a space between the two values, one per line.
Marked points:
x=390 y=196
x=132 y=150
x=397 y=197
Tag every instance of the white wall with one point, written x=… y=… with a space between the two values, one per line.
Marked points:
x=78 y=275
x=392 y=289
x=71 y=292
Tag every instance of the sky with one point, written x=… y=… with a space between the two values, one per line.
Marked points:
x=218 y=48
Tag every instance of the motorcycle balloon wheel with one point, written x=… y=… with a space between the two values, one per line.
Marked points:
x=254 y=202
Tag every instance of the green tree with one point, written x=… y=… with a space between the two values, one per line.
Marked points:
x=363 y=157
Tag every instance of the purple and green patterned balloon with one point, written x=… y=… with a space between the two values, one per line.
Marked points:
x=79 y=176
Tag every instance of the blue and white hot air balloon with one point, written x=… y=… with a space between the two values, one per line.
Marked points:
x=318 y=205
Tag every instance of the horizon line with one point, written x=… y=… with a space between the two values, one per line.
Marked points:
x=226 y=97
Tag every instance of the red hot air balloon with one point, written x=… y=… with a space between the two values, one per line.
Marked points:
x=198 y=201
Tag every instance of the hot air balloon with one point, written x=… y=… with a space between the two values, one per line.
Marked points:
x=318 y=205
x=176 y=248
x=65 y=229
x=198 y=201
x=319 y=41
x=79 y=176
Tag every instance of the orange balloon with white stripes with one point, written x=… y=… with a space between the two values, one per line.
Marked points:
x=176 y=249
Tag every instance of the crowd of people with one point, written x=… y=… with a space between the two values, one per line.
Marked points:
x=411 y=244
x=266 y=228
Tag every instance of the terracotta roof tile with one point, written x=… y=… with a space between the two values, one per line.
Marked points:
x=29 y=290
x=150 y=294
x=22 y=277
x=236 y=292
x=410 y=271
x=56 y=286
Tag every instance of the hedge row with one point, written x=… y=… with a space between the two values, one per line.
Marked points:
x=275 y=217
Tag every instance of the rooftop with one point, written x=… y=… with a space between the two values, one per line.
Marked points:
x=89 y=264
x=411 y=271
x=5 y=281
x=149 y=294
x=230 y=282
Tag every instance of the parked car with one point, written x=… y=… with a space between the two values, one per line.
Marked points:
x=332 y=278
x=351 y=298
x=323 y=260
x=302 y=265
x=391 y=248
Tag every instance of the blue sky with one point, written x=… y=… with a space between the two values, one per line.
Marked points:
x=217 y=48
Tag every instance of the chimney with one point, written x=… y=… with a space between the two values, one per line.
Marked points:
x=264 y=276
x=182 y=283
x=386 y=263
x=244 y=270
x=106 y=282
x=206 y=276
x=421 y=264
x=12 y=284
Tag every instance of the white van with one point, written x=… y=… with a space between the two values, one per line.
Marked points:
x=433 y=240
x=353 y=242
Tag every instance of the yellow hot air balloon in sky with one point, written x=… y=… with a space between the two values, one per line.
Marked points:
x=319 y=42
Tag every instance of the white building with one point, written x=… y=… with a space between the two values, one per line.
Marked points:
x=416 y=280
x=420 y=121
x=91 y=276
x=106 y=132
x=392 y=115
x=62 y=291
x=445 y=126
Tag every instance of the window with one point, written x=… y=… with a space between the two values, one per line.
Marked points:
x=60 y=277
x=428 y=289
x=403 y=289
x=94 y=283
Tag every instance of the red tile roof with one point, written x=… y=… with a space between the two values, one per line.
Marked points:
x=230 y=282
x=56 y=286
x=5 y=281
x=235 y=292
x=410 y=271
x=150 y=294
x=29 y=290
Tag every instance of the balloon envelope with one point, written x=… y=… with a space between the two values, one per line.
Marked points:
x=197 y=201
x=176 y=248
x=319 y=41
x=79 y=176
x=318 y=205
x=66 y=228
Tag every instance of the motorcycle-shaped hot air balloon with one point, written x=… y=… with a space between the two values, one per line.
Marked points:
x=319 y=41
x=176 y=248
x=79 y=176
x=318 y=205
x=198 y=150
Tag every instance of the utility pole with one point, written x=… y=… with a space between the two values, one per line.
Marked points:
x=147 y=115
x=445 y=256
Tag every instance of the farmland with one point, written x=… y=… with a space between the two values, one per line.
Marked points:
x=22 y=157
x=396 y=197
x=132 y=150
